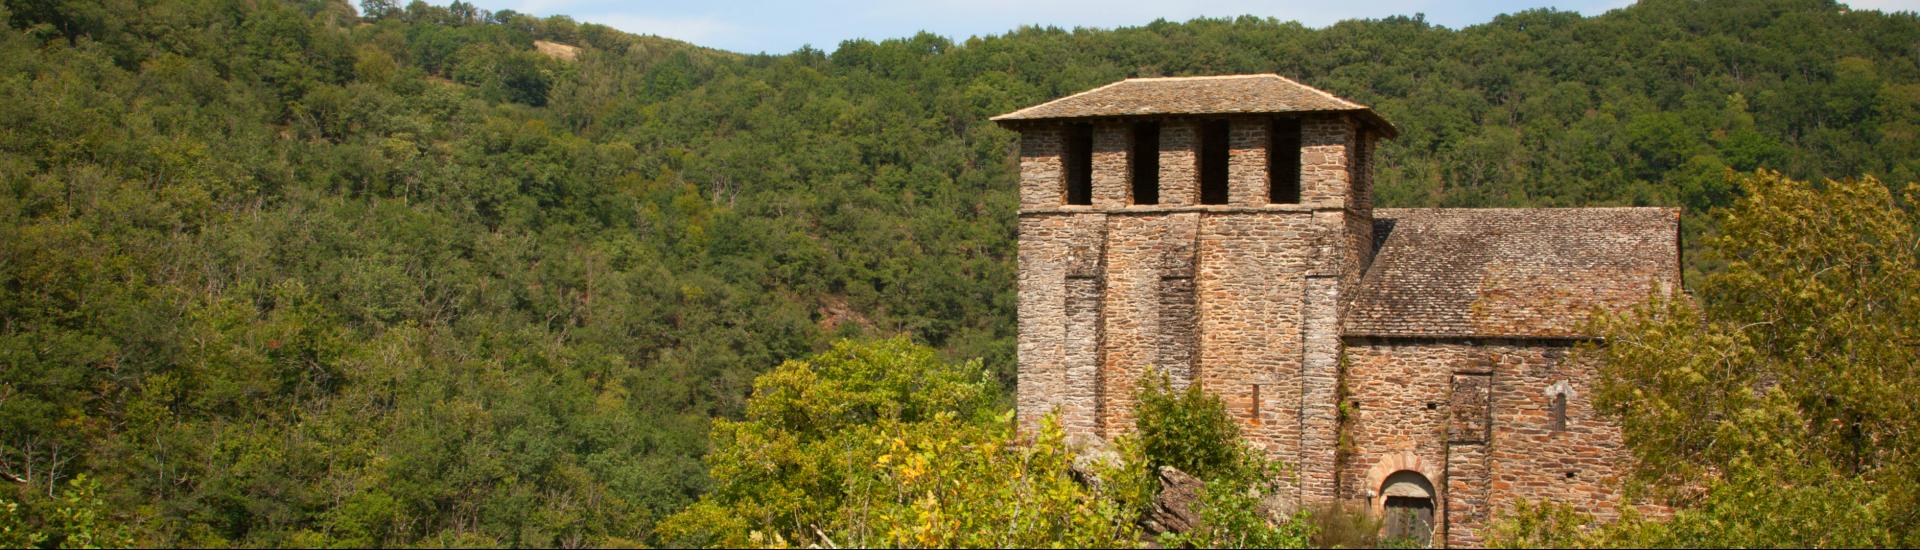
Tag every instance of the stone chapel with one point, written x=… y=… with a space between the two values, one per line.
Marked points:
x=1222 y=230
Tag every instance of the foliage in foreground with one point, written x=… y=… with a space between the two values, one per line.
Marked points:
x=885 y=445
x=1781 y=412
x=1190 y=430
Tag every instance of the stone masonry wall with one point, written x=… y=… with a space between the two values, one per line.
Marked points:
x=1396 y=397
x=1252 y=274
x=1481 y=409
x=1042 y=175
x=1210 y=296
x=1319 y=384
x=1080 y=358
x=1582 y=465
x=1149 y=256
x=1060 y=257
x=1324 y=144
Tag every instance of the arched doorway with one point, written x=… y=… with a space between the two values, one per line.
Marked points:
x=1409 y=508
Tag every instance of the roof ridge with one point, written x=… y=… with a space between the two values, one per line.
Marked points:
x=1207 y=77
x=1319 y=91
x=1065 y=97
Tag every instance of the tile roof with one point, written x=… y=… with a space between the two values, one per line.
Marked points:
x=1196 y=95
x=1511 y=272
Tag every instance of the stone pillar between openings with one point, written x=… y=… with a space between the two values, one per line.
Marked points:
x=1179 y=163
x=1365 y=148
x=1247 y=161
x=1043 y=177
x=1111 y=143
x=1324 y=175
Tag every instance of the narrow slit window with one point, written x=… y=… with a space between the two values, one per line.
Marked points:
x=1559 y=412
x=1256 y=404
x=1145 y=159
x=1283 y=162
x=1213 y=162
x=1079 y=160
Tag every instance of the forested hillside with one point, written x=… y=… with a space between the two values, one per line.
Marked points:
x=308 y=273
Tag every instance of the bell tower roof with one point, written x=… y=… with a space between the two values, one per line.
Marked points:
x=1198 y=95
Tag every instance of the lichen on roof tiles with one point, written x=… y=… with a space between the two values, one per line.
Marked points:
x=1497 y=272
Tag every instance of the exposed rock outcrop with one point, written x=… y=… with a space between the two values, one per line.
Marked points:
x=1172 y=510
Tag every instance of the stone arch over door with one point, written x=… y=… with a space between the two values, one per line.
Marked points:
x=1405 y=477
x=1410 y=507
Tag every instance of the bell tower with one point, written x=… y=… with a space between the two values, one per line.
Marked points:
x=1207 y=227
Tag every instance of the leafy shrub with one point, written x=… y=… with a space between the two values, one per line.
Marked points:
x=1190 y=430
x=883 y=444
x=1343 y=525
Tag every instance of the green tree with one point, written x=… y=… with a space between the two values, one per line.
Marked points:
x=884 y=444
x=1775 y=414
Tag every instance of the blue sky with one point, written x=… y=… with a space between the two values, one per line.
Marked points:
x=753 y=26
